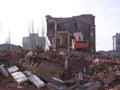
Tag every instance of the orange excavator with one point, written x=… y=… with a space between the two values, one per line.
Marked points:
x=78 y=43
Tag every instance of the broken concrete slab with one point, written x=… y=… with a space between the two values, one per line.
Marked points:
x=36 y=81
x=55 y=87
x=19 y=77
x=46 y=70
x=27 y=73
x=4 y=70
x=13 y=69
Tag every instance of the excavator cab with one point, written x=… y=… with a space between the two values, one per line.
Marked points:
x=81 y=45
x=78 y=42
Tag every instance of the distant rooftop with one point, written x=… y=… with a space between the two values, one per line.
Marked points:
x=9 y=47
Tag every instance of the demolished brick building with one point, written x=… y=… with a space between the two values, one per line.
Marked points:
x=60 y=31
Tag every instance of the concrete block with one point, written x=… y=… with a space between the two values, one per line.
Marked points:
x=36 y=81
x=4 y=71
x=13 y=69
x=19 y=77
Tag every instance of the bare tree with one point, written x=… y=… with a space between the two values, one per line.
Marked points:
x=8 y=40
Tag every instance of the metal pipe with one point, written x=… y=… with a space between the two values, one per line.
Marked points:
x=55 y=34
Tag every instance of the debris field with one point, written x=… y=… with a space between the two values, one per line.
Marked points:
x=49 y=70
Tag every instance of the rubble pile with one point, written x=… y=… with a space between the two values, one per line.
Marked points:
x=76 y=70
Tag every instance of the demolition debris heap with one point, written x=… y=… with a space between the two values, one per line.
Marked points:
x=58 y=71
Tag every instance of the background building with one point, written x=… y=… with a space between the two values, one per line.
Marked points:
x=33 y=40
x=116 y=42
x=60 y=31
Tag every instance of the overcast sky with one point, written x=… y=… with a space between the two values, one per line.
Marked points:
x=16 y=15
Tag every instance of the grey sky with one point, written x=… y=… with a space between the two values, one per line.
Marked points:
x=15 y=16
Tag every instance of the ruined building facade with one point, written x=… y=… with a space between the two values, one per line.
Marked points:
x=60 y=31
x=116 y=42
